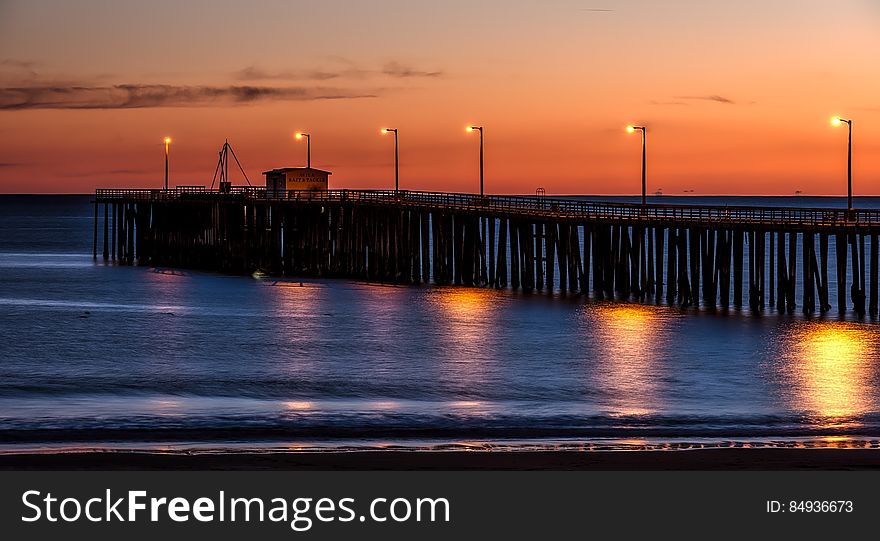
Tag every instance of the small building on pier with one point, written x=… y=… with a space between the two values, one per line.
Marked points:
x=296 y=179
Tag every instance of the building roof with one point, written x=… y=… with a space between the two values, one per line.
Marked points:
x=287 y=169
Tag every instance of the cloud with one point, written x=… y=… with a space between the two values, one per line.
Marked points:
x=396 y=69
x=22 y=69
x=712 y=97
x=347 y=70
x=255 y=73
x=12 y=164
x=93 y=173
x=20 y=64
x=135 y=96
x=597 y=10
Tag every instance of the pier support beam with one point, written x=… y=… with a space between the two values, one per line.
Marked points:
x=585 y=276
x=875 y=275
x=658 y=264
x=840 y=252
x=737 y=268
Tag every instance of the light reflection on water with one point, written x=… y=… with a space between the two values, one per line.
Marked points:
x=331 y=358
x=233 y=361
x=463 y=323
x=630 y=371
x=831 y=369
x=90 y=347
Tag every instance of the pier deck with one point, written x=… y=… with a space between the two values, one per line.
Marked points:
x=625 y=251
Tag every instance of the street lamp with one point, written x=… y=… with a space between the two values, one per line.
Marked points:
x=167 y=141
x=396 y=159
x=633 y=129
x=837 y=121
x=470 y=129
x=308 y=137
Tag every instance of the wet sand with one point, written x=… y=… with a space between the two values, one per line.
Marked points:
x=697 y=459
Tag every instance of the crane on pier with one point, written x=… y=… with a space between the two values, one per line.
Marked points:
x=222 y=169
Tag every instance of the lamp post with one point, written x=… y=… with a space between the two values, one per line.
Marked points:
x=308 y=137
x=837 y=121
x=633 y=129
x=167 y=141
x=396 y=159
x=479 y=129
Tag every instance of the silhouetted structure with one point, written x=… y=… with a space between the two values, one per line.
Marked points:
x=682 y=254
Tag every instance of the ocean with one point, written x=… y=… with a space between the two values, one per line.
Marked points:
x=99 y=356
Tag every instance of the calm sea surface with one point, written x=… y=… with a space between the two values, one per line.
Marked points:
x=95 y=355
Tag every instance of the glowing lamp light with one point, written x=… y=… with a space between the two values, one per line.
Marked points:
x=630 y=129
x=396 y=158
x=469 y=129
x=837 y=121
x=299 y=135
x=167 y=141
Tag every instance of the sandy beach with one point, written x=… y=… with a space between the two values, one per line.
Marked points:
x=696 y=459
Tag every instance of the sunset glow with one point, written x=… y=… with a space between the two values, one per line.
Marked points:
x=85 y=100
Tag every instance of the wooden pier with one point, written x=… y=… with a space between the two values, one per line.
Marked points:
x=685 y=255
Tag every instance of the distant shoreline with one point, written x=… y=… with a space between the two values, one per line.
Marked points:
x=697 y=459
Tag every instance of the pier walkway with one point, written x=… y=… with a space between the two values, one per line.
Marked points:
x=701 y=254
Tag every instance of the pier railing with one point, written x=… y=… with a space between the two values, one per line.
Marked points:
x=533 y=206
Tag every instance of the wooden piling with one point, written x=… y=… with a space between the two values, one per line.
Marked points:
x=600 y=236
x=425 y=246
x=875 y=275
x=684 y=285
x=792 y=272
x=658 y=265
x=772 y=270
x=106 y=212
x=585 y=276
x=840 y=251
x=761 y=251
x=501 y=279
x=493 y=278
x=550 y=232
x=807 y=259
x=482 y=247
x=737 y=268
x=539 y=255
x=527 y=245
x=562 y=257
x=724 y=250
x=514 y=255
x=574 y=259
x=824 y=304
x=753 y=271
x=781 y=273
x=649 y=261
x=671 y=265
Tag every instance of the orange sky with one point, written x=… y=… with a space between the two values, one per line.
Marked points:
x=736 y=96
